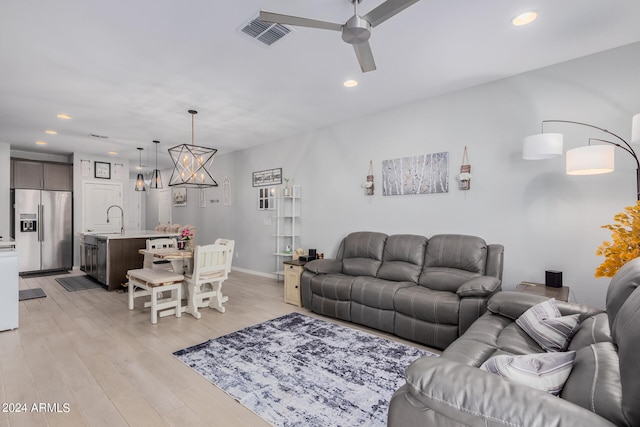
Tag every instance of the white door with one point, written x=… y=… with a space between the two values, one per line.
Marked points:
x=134 y=206
x=96 y=198
x=164 y=206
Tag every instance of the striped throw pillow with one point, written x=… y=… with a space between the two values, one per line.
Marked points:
x=544 y=324
x=543 y=371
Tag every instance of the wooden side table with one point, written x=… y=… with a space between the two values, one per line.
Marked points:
x=561 y=294
x=292 y=272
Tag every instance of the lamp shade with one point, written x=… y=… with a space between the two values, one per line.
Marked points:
x=635 y=129
x=590 y=160
x=140 y=183
x=156 y=180
x=542 y=146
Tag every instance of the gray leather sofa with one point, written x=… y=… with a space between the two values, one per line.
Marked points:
x=426 y=290
x=603 y=388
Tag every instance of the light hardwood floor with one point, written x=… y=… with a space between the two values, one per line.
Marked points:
x=112 y=367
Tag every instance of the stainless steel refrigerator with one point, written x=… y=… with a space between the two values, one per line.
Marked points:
x=42 y=229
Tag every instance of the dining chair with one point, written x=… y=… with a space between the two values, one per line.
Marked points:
x=204 y=285
x=157 y=244
x=230 y=244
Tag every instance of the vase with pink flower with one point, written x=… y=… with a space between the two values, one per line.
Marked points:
x=185 y=239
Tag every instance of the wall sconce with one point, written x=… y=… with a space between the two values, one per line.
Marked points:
x=464 y=178
x=587 y=160
x=368 y=184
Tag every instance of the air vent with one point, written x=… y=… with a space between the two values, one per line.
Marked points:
x=266 y=32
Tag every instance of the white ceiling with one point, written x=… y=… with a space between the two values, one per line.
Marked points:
x=131 y=69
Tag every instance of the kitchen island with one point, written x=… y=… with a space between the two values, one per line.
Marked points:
x=108 y=256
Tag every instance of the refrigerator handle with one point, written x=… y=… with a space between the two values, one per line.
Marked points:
x=40 y=223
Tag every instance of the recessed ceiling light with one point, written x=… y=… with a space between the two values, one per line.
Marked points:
x=350 y=83
x=64 y=116
x=113 y=153
x=41 y=142
x=524 y=18
x=51 y=132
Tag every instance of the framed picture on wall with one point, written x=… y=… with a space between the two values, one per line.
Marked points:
x=102 y=170
x=267 y=177
x=180 y=196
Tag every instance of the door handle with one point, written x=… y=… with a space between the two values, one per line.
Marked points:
x=40 y=223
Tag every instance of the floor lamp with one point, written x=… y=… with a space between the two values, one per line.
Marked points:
x=589 y=159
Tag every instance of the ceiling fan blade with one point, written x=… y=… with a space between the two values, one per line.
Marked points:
x=365 y=56
x=386 y=10
x=298 y=21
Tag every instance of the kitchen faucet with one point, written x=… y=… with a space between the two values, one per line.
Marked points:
x=121 y=217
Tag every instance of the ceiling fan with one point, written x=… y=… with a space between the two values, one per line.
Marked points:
x=356 y=31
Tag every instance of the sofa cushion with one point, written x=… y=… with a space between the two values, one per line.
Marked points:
x=333 y=286
x=403 y=258
x=543 y=371
x=376 y=293
x=324 y=266
x=547 y=327
x=488 y=336
x=451 y=260
x=594 y=382
x=362 y=253
x=426 y=304
x=592 y=330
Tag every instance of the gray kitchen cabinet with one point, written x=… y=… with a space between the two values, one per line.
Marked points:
x=37 y=175
x=91 y=256
x=57 y=176
x=27 y=174
x=102 y=261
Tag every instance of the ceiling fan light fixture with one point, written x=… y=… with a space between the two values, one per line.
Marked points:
x=356 y=30
x=524 y=18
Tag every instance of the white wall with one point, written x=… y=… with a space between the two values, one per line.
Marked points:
x=5 y=194
x=544 y=218
x=79 y=178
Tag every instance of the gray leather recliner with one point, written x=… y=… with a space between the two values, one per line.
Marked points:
x=603 y=388
x=425 y=290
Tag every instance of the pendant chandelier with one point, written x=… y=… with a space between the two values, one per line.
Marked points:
x=192 y=163
x=140 y=178
x=156 y=178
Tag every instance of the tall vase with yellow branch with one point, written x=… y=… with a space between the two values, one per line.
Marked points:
x=625 y=244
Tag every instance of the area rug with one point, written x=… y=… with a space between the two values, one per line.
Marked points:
x=32 y=274
x=34 y=293
x=297 y=370
x=78 y=283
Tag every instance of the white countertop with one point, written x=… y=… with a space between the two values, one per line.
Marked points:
x=7 y=243
x=133 y=234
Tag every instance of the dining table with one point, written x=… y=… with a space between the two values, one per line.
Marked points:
x=180 y=259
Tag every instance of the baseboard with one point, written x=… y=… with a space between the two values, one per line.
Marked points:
x=255 y=273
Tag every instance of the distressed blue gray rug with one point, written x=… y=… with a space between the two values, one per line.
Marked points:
x=297 y=370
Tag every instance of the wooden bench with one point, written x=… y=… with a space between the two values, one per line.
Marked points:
x=153 y=282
